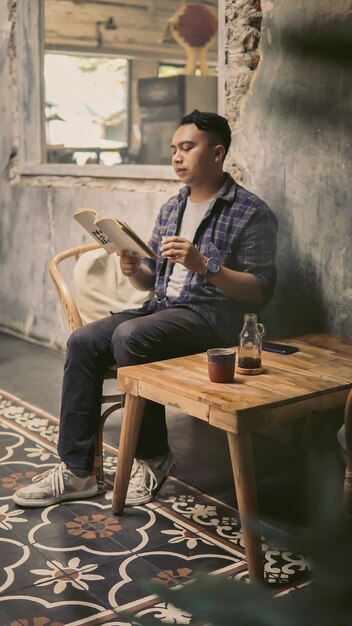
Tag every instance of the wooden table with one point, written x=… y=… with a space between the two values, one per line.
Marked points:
x=313 y=380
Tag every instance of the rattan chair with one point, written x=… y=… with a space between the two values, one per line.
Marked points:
x=70 y=308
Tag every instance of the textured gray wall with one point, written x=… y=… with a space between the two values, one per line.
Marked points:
x=292 y=146
x=36 y=223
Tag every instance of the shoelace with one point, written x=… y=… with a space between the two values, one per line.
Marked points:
x=139 y=476
x=57 y=478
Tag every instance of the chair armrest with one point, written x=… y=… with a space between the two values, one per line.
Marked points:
x=66 y=298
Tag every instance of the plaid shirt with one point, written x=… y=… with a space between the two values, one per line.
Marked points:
x=239 y=230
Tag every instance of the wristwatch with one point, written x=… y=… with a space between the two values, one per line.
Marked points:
x=212 y=267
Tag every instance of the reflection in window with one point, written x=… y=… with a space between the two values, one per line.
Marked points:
x=86 y=119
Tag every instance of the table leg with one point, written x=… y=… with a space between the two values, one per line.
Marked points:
x=244 y=476
x=131 y=423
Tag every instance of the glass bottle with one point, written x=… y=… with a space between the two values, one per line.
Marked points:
x=250 y=343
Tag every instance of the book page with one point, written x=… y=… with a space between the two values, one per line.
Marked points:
x=124 y=237
x=87 y=218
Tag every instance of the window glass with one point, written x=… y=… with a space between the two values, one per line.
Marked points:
x=166 y=64
x=118 y=77
x=86 y=111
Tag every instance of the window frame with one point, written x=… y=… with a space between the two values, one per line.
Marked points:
x=30 y=81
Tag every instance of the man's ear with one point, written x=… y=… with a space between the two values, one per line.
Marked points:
x=219 y=153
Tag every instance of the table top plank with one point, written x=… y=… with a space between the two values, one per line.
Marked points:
x=319 y=353
x=322 y=366
x=183 y=402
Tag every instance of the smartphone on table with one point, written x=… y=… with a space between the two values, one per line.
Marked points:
x=279 y=348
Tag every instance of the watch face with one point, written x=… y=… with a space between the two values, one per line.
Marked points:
x=213 y=266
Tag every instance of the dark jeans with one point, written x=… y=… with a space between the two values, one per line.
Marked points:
x=124 y=339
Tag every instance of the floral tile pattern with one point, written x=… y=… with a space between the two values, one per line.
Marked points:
x=76 y=563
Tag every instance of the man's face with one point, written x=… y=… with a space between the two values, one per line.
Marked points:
x=193 y=157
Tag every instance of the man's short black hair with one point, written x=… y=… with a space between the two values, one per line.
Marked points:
x=211 y=123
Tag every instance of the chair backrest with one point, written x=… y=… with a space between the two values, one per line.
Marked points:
x=98 y=285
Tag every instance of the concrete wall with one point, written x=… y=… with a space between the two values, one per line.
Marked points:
x=291 y=145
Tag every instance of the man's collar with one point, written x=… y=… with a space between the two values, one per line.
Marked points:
x=227 y=191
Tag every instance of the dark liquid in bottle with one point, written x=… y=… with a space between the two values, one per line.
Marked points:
x=249 y=362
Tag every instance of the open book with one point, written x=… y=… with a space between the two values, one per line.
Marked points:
x=112 y=234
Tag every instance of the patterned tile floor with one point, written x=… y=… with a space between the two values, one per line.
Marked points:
x=77 y=564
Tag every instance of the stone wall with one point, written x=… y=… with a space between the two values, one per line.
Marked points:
x=290 y=109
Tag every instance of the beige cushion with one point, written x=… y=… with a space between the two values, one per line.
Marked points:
x=100 y=287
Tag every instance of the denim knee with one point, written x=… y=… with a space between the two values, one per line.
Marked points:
x=78 y=339
x=128 y=343
x=84 y=341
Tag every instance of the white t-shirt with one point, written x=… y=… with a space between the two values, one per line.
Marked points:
x=192 y=217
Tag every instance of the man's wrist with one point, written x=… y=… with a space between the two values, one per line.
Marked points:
x=212 y=267
x=202 y=266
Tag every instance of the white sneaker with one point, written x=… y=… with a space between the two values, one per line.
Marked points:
x=56 y=485
x=147 y=477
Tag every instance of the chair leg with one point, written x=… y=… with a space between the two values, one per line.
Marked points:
x=99 y=458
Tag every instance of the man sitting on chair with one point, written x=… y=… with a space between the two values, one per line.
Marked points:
x=216 y=242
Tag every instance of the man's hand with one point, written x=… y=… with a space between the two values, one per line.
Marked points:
x=139 y=275
x=241 y=286
x=130 y=263
x=180 y=250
